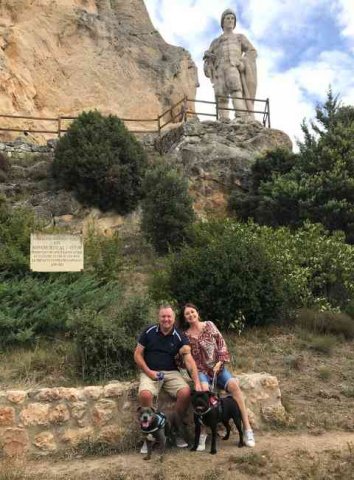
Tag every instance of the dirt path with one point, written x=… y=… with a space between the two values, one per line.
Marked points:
x=273 y=450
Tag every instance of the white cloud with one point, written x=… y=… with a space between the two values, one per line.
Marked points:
x=346 y=18
x=292 y=92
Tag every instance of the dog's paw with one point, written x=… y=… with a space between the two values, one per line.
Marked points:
x=241 y=444
x=148 y=457
x=212 y=452
x=194 y=448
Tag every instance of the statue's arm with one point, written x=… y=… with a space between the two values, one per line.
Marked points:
x=209 y=60
x=247 y=48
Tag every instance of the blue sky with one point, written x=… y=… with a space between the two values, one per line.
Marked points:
x=303 y=47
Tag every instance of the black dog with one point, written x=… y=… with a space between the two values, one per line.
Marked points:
x=211 y=410
x=152 y=424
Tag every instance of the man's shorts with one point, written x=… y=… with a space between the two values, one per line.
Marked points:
x=172 y=382
x=222 y=378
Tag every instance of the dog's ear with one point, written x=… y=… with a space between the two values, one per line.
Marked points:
x=139 y=409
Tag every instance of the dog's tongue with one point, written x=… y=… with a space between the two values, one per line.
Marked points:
x=145 y=424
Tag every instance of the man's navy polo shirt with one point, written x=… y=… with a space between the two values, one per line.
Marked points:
x=159 y=349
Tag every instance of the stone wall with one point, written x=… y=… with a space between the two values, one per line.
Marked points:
x=21 y=146
x=48 y=420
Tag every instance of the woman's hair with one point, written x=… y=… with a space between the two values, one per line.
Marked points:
x=181 y=320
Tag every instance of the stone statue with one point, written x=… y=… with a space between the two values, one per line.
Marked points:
x=230 y=63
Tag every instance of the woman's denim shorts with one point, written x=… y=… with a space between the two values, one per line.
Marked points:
x=222 y=379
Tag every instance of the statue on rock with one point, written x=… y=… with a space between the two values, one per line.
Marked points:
x=230 y=63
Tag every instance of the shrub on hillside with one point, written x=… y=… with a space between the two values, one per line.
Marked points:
x=228 y=276
x=33 y=307
x=334 y=323
x=233 y=269
x=316 y=185
x=105 y=342
x=101 y=161
x=16 y=226
x=103 y=255
x=167 y=208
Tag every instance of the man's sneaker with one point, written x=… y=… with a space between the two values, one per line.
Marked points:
x=248 y=438
x=202 y=440
x=144 y=448
x=181 y=443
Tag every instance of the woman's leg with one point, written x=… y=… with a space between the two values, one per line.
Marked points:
x=231 y=385
x=233 y=388
x=203 y=432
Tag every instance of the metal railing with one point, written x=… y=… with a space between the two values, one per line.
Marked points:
x=264 y=113
x=178 y=113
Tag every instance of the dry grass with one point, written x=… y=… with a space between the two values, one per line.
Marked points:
x=16 y=470
x=315 y=386
x=47 y=363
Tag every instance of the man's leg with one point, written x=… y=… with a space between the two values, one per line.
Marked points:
x=221 y=98
x=183 y=401
x=239 y=104
x=145 y=398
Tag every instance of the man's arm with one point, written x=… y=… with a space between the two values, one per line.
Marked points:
x=185 y=351
x=139 y=360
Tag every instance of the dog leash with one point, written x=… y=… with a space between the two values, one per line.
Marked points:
x=213 y=384
x=160 y=377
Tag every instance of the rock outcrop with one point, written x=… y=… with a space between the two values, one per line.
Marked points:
x=60 y=57
x=217 y=156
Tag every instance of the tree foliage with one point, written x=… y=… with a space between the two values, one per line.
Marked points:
x=317 y=184
x=167 y=208
x=236 y=271
x=101 y=161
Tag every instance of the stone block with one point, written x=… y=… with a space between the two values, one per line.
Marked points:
x=103 y=412
x=73 y=437
x=59 y=414
x=15 y=442
x=79 y=411
x=35 y=414
x=71 y=394
x=16 y=396
x=47 y=395
x=7 y=416
x=114 y=390
x=45 y=442
x=93 y=393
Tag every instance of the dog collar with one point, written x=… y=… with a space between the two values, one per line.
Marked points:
x=214 y=403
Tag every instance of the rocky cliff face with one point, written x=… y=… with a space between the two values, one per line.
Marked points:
x=64 y=56
x=217 y=157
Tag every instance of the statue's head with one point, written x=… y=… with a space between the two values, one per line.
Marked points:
x=228 y=11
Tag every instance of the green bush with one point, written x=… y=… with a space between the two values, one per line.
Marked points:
x=40 y=306
x=101 y=161
x=229 y=276
x=316 y=185
x=233 y=270
x=167 y=208
x=105 y=342
x=103 y=255
x=16 y=226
